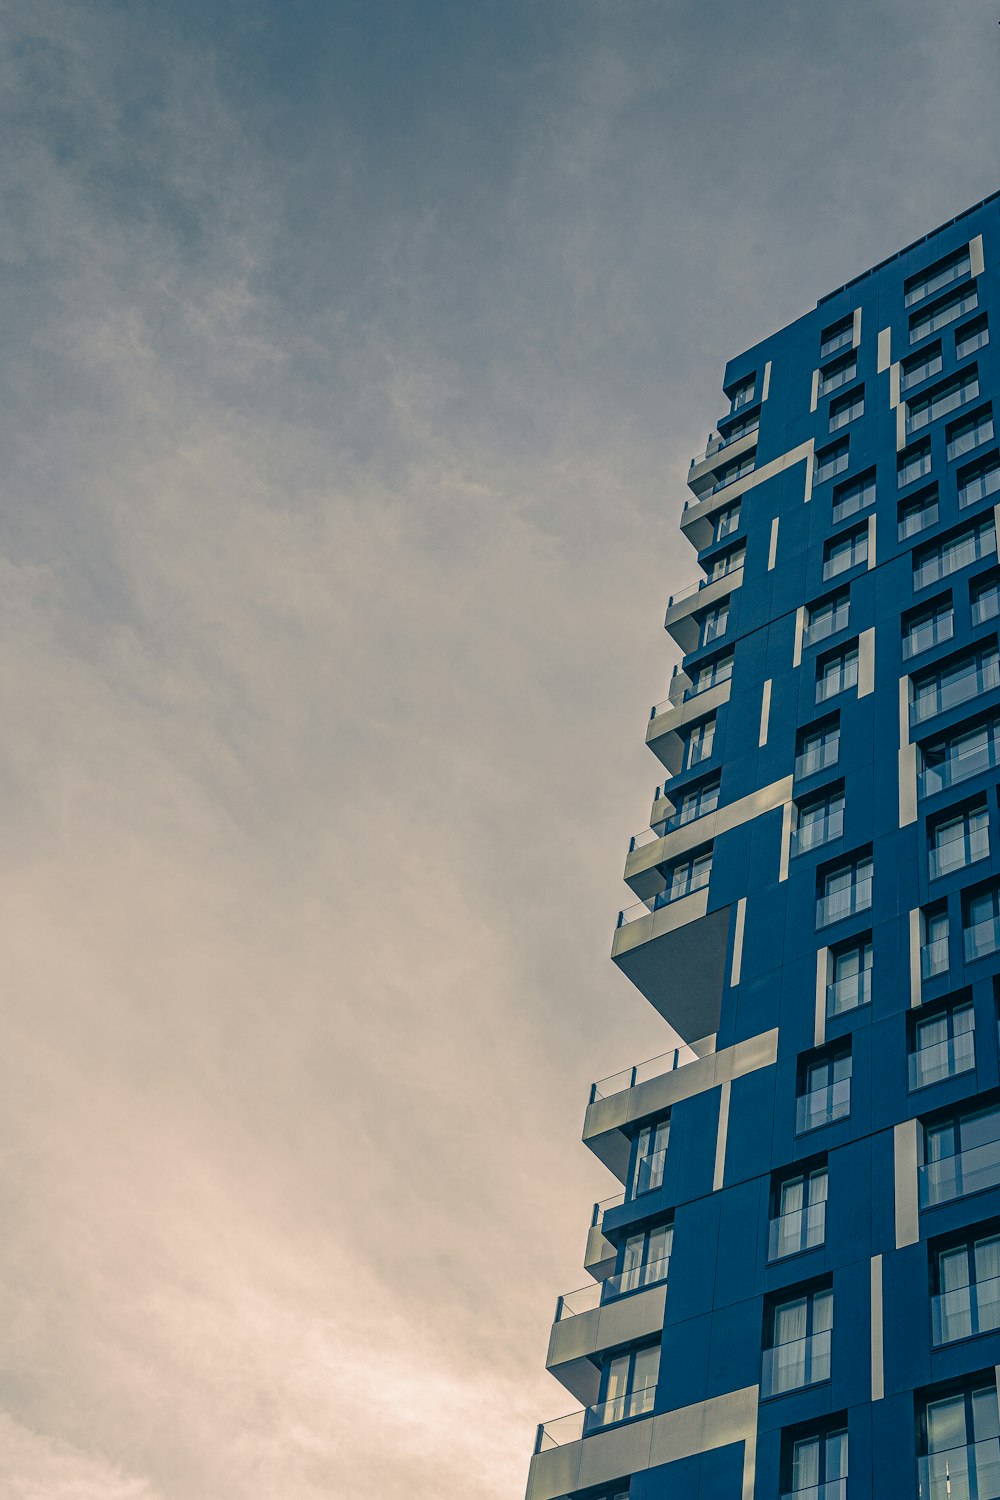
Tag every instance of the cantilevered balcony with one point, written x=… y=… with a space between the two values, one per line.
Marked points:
x=698 y=518
x=670 y=722
x=705 y=471
x=601 y=1317
x=681 y=621
x=600 y=1256
x=618 y=1105
x=675 y=953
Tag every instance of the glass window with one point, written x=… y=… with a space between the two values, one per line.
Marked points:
x=947 y=398
x=931 y=627
x=836 y=673
x=958 y=841
x=961 y=1156
x=798 y=1213
x=963 y=436
x=985 y=600
x=966 y=1278
x=743 y=393
x=913 y=463
x=824 y=1093
x=629 y=1388
x=957 y=756
x=849 y=967
x=982 y=925
x=934 y=956
x=955 y=683
x=734 y=471
x=650 y=1158
x=832 y=460
x=726 y=522
x=844 y=890
x=687 y=876
x=818 y=1467
x=695 y=803
x=854 y=495
x=819 y=820
x=710 y=674
x=827 y=617
x=847 y=408
x=714 y=624
x=979 y=480
x=974 y=335
x=917 y=513
x=944 y=311
x=700 y=742
x=799 y=1342
x=944 y=1045
x=645 y=1260
x=818 y=748
x=843 y=553
x=926 y=283
x=931 y=564
x=838 y=374
x=920 y=367
x=960 y=1456
x=838 y=336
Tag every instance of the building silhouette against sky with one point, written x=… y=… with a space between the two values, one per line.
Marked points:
x=797 y=1289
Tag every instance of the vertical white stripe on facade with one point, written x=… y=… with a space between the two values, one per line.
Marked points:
x=856 y=334
x=907 y=785
x=734 y=973
x=916 y=941
x=907 y=1211
x=772 y=551
x=750 y=1462
x=977 y=264
x=718 y=1176
x=800 y=625
x=871 y=541
x=894 y=385
x=765 y=713
x=878 y=1373
x=814 y=396
x=819 y=1029
x=786 y=839
x=810 y=461
x=900 y=428
x=866 y=662
x=884 y=349
x=904 y=712
x=767 y=381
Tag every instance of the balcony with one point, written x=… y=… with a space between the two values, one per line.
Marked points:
x=601 y=1255
x=698 y=517
x=675 y=954
x=669 y=723
x=960 y=847
x=848 y=993
x=968 y=1473
x=970 y=1171
x=956 y=1054
x=833 y=1489
x=818 y=758
x=581 y=1424
x=844 y=903
x=792 y=1366
x=961 y=684
x=818 y=831
x=802 y=1229
x=823 y=1106
x=596 y=1319
x=984 y=755
x=614 y=1112
x=965 y=1311
x=702 y=473
x=982 y=939
x=681 y=622
x=934 y=958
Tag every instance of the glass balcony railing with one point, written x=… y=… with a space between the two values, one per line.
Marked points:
x=649 y=1173
x=802 y=1229
x=826 y=624
x=982 y=938
x=818 y=831
x=642 y=909
x=956 y=1176
x=956 y=1054
x=635 y=1279
x=849 y=992
x=718 y=444
x=968 y=1473
x=962 y=848
x=654 y=1067
x=823 y=1106
x=818 y=758
x=844 y=903
x=833 y=1489
x=703 y=583
x=965 y=761
x=580 y=1424
x=640 y=840
x=789 y=1367
x=966 y=1310
x=605 y=1205
x=958 y=687
x=934 y=958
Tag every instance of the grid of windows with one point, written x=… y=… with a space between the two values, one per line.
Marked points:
x=944 y=311
x=853 y=496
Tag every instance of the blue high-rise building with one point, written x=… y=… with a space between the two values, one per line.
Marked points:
x=796 y=1292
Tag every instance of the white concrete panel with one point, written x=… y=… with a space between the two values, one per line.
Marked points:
x=772 y=551
x=878 y=1374
x=977 y=264
x=907 y=1206
x=741 y=911
x=916 y=940
x=718 y=1176
x=856 y=338
x=884 y=349
x=819 y=1027
x=866 y=662
x=765 y=713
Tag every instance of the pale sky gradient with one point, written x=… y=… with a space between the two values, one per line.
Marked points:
x=353 y=356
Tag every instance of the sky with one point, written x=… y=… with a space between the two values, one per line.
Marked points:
x=352 y=358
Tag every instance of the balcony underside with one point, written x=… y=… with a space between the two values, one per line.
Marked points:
x=600 y=1255
x=577 y=1344
x=676 y=957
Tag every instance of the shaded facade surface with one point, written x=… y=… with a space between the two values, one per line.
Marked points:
x=796 y=1286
